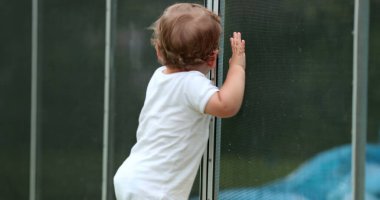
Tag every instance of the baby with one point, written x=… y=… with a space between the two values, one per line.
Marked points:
x=180 y=100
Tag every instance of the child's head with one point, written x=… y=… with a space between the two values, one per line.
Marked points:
x=186 y=35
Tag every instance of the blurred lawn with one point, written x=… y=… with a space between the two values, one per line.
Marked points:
x=238 y=171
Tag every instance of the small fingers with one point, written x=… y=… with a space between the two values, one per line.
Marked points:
x=234 y=39
x=237 y=44
x=237 y=36
x=233 y=42
x=243 y=46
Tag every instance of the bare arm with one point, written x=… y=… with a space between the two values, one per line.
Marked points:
x=227 y=102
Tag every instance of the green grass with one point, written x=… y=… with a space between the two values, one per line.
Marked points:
x=238 y=171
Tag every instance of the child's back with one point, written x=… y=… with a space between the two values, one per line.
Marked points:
x=172 y=136
x=174 y=121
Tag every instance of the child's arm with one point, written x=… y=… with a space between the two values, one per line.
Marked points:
x=227 y=101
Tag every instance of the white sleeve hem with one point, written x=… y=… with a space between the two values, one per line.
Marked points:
x=206 y=98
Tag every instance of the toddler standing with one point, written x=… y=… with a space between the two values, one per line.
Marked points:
x=180 y=100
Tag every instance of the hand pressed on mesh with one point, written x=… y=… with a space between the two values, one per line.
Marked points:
x=238 y=50
x=227 y=101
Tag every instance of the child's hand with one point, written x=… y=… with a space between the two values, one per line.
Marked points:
x=238 y=50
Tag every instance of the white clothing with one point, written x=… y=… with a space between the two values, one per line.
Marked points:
x=171 y=138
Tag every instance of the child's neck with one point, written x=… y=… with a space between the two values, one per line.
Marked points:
x=170 y=70
x=204 y=69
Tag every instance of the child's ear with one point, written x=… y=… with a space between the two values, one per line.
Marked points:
x=212 y=60
x=158 y=53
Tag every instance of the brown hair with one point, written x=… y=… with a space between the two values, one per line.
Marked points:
x=186 y=35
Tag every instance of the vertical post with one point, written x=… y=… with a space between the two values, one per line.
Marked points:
x=218 y=123
x=33 y=112
x=108 y=71
x=208 y=167
x=359 y=98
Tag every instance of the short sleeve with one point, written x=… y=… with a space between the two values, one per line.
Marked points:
x=199 y=91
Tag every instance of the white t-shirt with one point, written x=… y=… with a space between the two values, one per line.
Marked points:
x=171 y=138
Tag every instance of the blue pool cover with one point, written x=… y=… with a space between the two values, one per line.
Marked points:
x=327 y=176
